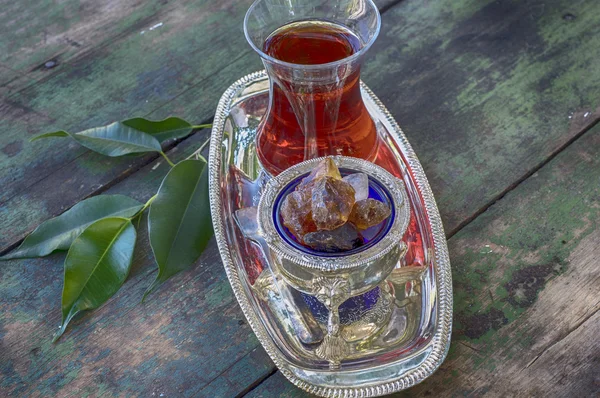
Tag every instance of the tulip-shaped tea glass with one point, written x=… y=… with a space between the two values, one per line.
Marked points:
x=312 y=51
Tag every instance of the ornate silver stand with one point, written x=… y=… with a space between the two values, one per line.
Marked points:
x=363 y=326
x=333 y=279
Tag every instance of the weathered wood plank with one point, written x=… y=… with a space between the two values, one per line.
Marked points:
x=456 y=155
x=40 y=38
x=526 y=290
x=183 y=338
x=81 y=173
x=485 y=90
x=568 y=356
x=77 y=371
x=121 y=317
x=188 y=44
x=133 y=79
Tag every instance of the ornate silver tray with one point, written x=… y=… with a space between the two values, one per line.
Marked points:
x=397 y=337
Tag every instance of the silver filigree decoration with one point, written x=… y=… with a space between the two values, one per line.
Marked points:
x=331 y=291
x=333 y=348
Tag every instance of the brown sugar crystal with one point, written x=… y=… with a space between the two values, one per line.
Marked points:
x=340 y=239
x=332 y=202
x=296 y=213
x=326 y=212
x=369 y=212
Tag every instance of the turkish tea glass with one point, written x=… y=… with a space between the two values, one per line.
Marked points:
x=315 y=107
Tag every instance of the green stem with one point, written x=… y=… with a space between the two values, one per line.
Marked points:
x=202 y=126
x=167 y=159
x=203 y=145
x=148 y=203
x=198 y=151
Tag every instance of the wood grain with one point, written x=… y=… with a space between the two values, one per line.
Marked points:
x=42 y=38
x=486 y=92
x=138 y=74
x=150 y=56
x=50 y=38
x=479 y=121
x=168 y=345
x=526 y=291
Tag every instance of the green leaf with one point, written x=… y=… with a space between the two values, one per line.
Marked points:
x=58 y=233
x=179 y=222
x=135 y=135
x=96 y=266
x=53 y=134
x=162 y=130
x=117 y=139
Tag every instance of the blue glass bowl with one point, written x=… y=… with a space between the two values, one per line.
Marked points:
x=357 y=304
x=371 y=236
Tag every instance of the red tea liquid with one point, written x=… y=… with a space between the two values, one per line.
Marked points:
x=322 y=114
x=311 y=43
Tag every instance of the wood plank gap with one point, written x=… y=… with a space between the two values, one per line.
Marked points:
x=257 y=383
x=42 y=178
x=254 y=384
x=469 y=346
x=561 y=338
x=386 y=7
x=523 y=178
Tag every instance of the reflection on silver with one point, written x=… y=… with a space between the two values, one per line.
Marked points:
x=388 y=347
x=290 y=311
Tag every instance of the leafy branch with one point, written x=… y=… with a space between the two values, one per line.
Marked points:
x=99 y=232
x=135 y=135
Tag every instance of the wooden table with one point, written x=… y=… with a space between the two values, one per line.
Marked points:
x=500 y=99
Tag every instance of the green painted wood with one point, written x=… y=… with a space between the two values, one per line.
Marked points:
x=176 y=57
x=168 y=345
x=136 y=74
x=493 y=86
x=526 y=286
x=122 y=83
x=6 y=76
x=115 y=83
x=152 y=53
x=472 y=147
x=40 y=38
x=53 y=36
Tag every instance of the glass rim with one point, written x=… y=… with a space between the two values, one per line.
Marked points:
x=342 y=61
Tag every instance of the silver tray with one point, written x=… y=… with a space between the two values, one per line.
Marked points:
x=416 y=337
